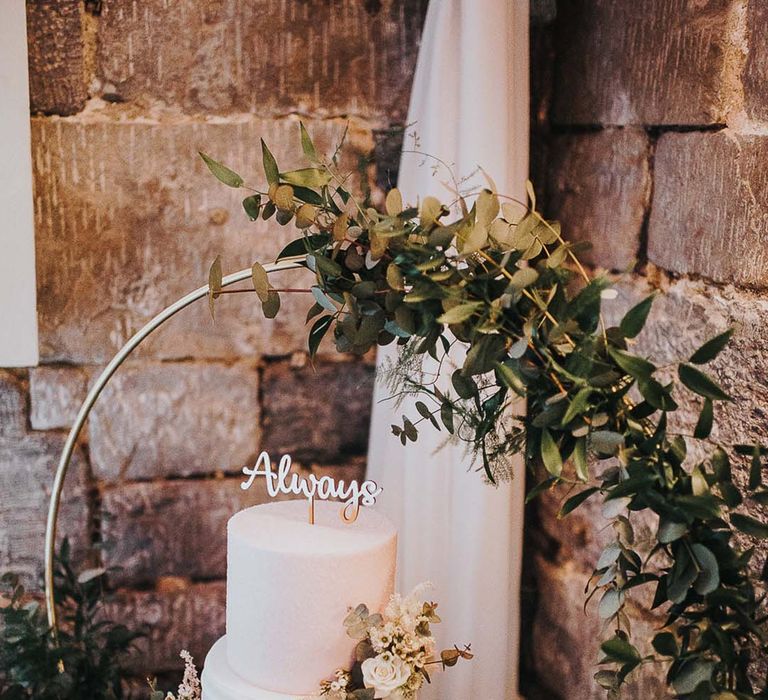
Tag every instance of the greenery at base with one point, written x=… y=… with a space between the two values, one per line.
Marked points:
x=499 y=280
x=86 y=660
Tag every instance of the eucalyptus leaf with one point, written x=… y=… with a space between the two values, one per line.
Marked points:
x=252 y=206
x=550 y=454
x=306 y=177
x=317 y=333
x=709 y=577
x=271 y=171
x=750 y=525
x=691 y=675
x=712 y=348
x=260 y=281
x=634 y=320
x=271 y=306
x=700 y=383
x=610 y=603
x=221 y=172
x=306 y=144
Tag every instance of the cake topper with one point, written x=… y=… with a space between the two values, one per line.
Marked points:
x=313 y=487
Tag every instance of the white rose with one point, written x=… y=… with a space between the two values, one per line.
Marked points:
x=385 y=673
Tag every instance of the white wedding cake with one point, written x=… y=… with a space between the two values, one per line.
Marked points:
x=289 y=587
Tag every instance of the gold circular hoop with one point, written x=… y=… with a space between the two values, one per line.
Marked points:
x=290 y=263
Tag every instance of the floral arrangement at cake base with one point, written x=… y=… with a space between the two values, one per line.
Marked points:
x=395 y=649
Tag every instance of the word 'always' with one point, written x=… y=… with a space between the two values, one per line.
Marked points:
x=313 y=487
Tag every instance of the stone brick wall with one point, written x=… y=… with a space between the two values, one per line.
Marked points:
x=650 y=142
x=127 y=220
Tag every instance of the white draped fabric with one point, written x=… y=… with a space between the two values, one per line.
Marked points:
x=469 y=107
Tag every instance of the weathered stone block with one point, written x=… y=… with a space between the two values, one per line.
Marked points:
x=181 y=419
x=567 y=639
x=13 y=404
x=686 y=315
x=128 y=219
x=599 y=186
x=317 y=415
x=191 y=619
x=179 y=528
x=27 y=466
x=339 y=57
x=628 y=63
x=710 y=214
x=57 y=81
x=56 y=394
x=755 y=76
x=171 y=528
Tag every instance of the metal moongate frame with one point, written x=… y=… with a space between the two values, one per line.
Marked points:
x=85 y=409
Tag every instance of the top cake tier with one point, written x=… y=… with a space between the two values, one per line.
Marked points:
x=283 y=526
x=290 y=585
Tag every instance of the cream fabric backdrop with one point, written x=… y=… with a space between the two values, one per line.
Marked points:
x=469 y=107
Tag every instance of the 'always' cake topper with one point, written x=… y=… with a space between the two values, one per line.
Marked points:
x=312 y=487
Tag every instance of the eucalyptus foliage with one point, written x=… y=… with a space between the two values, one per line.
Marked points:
x=84 y=661
x=495 y=277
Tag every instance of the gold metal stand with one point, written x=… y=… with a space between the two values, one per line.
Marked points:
x=93 y=395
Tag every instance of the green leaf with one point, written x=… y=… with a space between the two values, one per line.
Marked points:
x=665 y=644
x=221 y=172
x=545 y=485
x=317 y=333
x=703 y=427
x=446 y=415
x=606 y=442
x=610 y=603
x=669 y=531
x=578 y=405
x=214 y=283
x=260 y=281
x=301 y=246
x=306 y=177
x=484 y=354
x=424 y=411
x=580 y=459
x=272 y=305
x=328 y=266
x=252 y=205
x=306 y=144
x=550 y=454
x=510 y=379
x=711 y=349
x=575 y=501
x=459 y=313
x=635 y=318
x=465 y=386
x=692 y=673
x=323 y=299
x=634 y=366
x=709 y=577
x=620 y=650
x=749 y=525
x=410 y=430
x=655 y=394
x=701 y=384
x=271 y=171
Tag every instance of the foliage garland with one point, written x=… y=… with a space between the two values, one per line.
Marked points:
x=500 y=280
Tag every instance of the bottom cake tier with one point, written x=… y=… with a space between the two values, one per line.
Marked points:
x=220 y=682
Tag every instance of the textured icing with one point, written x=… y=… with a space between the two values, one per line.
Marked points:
x=290 y=585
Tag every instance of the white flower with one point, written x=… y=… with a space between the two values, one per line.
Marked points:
x=385 y=673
